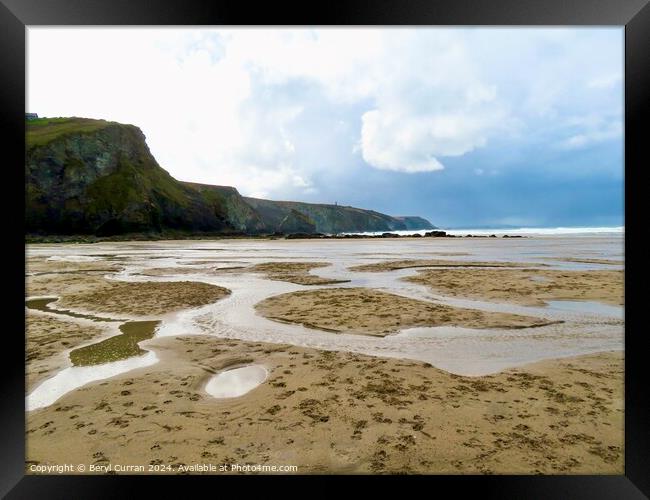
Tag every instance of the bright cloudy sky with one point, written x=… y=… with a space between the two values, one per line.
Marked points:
x=475 y=126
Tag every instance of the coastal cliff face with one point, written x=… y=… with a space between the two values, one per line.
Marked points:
x=335 y=218
x=96 y=177
x=88 y=176
x=226 y=199
x=415 y=222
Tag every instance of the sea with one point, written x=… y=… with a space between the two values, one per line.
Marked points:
x=522 y=231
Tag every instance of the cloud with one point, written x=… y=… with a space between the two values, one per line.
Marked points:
x=407 y=143
x=429 y=103
x=271 y=110
x=389 y=143
x=591 y=129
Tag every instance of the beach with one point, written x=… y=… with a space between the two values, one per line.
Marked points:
x=398 y=355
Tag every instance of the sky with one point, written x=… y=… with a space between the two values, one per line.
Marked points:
x=468 y=127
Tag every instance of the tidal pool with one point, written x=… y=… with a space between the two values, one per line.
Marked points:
x=111 y=349
x=43 y=304
x=73 y=377
x=107 y=358
x=236 y=382
x=588 y=307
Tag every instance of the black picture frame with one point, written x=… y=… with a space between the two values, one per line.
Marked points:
x=15 y=15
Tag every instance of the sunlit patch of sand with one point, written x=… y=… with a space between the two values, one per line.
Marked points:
x=523 y=286
x=145 y=298
x=371 y=312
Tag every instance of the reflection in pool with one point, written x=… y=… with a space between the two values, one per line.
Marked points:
x=236 y=382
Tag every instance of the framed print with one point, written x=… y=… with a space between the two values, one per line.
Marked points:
x=377 y=242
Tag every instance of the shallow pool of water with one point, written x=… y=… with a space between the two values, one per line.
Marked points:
x=111 y=349
x=74 y=377
x=587 y=306
x=107 y=358
x=236 y=382
x=43 y=304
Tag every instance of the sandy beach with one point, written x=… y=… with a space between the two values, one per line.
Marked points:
x=341 y=413
x=526 y=286
x=369 y=312
x=292 y=272
x=349 y=388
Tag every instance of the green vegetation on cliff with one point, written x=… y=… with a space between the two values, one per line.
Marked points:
x=95 y=177
x=41 y=131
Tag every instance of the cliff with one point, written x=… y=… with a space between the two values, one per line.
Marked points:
x=415 y=222
x=334 y=218
x=97 y=177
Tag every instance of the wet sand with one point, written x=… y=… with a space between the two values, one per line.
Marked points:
x=54 y=341
x=40 y=266
x=410 y=263
x=321 y=410
x=47 y=340
x=145 y=298
x=371 y=312
x=332 y=412
x=588 y=261
x=290 y=272
x=168 y=271
x=293 y=272
x=525 y=286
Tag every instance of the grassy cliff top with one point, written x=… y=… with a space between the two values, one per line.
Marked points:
x=41 y=131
